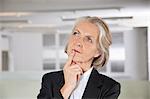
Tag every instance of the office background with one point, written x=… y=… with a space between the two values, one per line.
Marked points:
x=33 y=35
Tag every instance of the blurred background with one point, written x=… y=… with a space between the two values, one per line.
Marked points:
x=33 y=35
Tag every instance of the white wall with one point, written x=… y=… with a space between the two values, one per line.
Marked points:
x=149 y=49
x=5 y=42
x=0 y=52
x=27 y=51
x=136 y=53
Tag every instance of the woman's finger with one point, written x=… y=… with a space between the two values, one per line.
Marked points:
x=77 y=68
x=70 y=58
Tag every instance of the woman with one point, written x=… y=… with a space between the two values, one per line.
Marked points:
x=87 y=49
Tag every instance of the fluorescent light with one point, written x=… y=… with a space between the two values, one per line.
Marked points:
x=17 y=14
x=96 y=12
x=34 y=25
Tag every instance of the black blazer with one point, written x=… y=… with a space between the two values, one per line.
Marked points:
x=98 y=86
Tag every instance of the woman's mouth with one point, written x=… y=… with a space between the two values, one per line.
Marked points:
x=76 y=51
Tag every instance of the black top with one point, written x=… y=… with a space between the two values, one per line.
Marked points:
x=98 y=86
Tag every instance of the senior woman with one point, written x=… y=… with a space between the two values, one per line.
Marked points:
x=87 y=49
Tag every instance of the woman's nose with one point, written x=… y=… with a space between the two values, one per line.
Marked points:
x=78 y=44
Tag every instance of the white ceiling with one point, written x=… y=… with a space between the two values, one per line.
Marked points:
x=63 y=5
x=46 y=15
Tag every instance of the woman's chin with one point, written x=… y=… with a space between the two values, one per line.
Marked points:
x=77 y=60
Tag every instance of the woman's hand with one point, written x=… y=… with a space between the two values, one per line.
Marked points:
x=72 y=73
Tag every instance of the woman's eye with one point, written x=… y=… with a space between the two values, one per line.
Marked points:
x=75 y=33
x=89 y=40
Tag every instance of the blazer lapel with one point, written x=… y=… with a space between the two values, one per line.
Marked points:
x=93 y=86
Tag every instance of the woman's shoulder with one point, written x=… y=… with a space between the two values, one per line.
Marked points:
x=108 y=81
x=110 y=86
x=104 y=78
x=53 y=75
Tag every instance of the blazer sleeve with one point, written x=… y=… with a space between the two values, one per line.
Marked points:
x=113 y=93
x=47 y=91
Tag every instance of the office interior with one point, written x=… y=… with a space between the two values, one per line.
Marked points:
x=34 y=33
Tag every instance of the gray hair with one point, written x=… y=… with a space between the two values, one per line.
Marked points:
x=105 y=39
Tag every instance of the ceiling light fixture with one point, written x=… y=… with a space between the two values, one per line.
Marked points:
x=17 y=14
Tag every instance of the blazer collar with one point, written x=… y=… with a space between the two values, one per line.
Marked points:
x=93 y=86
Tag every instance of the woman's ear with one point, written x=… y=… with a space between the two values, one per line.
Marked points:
x=98 y=53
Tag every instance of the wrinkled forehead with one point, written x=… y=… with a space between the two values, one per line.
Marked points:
x=87 y=27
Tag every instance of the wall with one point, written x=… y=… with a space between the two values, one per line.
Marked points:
x=148 y=37
x=27 y=51
x=1 y=5
x=0 y=52
x=136 y=53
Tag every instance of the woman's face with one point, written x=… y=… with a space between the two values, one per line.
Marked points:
x=84 y=41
